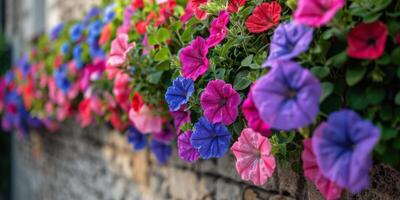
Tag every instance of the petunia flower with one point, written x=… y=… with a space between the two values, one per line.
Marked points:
x=288 y=96
x=329 y=189
x=56 y=31
x=185 y=150
x=179 y=93
x=367 y=41
x=218 y=29
x=76 y=32
x=198 y=12
x=252 y=116
x=180 y=117
x=342 y=147
x=398 y=38
x=194 y=59
x=254 y=161
x=166 y=135
x=61 y=79
x=317 y=12
x=137 y=102
x=136 y=139
x=220 y=102
x=264 y=17
x=290 y=39
x=85 y=113
x=116 y=120
x=212 y=140
x=105 y=34
x=234 y=5
x=119 y=51
x=161 y=151
x=145 y=120
x=109 y=13
x=136 y=4
x=122 y=90
x=188 y=13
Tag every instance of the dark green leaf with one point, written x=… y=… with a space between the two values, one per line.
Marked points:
x=327 y=89
x=397 y=98
x=247 y=61
x=320 y=72
x=375 y=95
x=354 y=74
x=242 y=80
x=154 y=77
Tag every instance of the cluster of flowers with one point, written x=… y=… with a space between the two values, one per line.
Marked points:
x=138 y=67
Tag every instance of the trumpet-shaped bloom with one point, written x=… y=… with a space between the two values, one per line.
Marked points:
x=166 y=135
x=329 y=189
x=288 y=96
x=212 y=140
x=254 y=161
x=61 y=79
x=161 y=151
x=234 y=5
x=119 y=51
x=253 y=118
x=145 y=120
x=181 y=117
x=218 y=29
x=317 y=12
x=264 y=17
x=179 y=93
x=198 y=12
x=122 y=90
x=136 y=139
x=76 y=32
x=343 y=146
x=220 y=102
x=367 y=41
x=194 y=59
x=289 y=40
x=185 y=150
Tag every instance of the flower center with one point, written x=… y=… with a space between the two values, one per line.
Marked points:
x=371 y=42
x=292 y=93
x=222 y=102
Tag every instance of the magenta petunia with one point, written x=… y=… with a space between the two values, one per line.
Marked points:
x=194 y=59
x=218 y=29
x=185 y=150
x=254 y=160
x=252 y=116
x=220 y=102
x=166 y=135
x=316 y=13
x=181 y=117
x=329 y=189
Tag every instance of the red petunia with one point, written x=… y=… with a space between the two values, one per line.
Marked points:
x=141 y=27
x=265 y=16
x=398 y=38
x=234 y=5
x=367 y=41
x=136 y=4
x=137 y=102
x=198 y=13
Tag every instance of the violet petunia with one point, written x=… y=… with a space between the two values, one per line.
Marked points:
x=317 y=12
x=212 y=140
x=288 y=96
x=194 y=59
x=218 y=29
x=342 y=147
x=329 y=189
x=254 y=160
x=181 y=117
x=220 y=102
x=166 y=135
x=290 y=39
x=185 y=150
x=179 y=93
x=161 y=151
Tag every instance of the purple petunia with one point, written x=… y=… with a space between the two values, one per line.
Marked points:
x=220 y=102
x=181 y=117
x=212 y=140
x=342 y=147
x=179 y=93
x=194 y=59
x=288 y=96
x=289 y=40
x=161 y=151
x=166 y=135
x=186 y=151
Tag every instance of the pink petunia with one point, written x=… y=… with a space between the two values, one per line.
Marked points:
x=119 y=51
x=198 y=12
x=85 y=113
x=185 y=150
x=367 y=41
x=220 y=102
x=311 y=169
x=188 y=13
x=218 y=29
x=253 y=118
x=316 y=13
x=122 y=90
x=254 y=161
x=194 y=59
x=145 y=120
x=116 y=120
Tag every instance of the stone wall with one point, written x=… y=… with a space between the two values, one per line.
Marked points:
x=96 y=163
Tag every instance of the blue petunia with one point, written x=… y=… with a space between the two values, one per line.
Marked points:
x=289 y=40
x=65 y=48
x=61 y=79
x=77 y=51
x=136 y=139
x=93 y=12
x=76 y=32
x=55 y=32
x=161 y=151
x=24 y=65
x=109 y=13
x=212 y=140
x=343 y=147
x=179 y=93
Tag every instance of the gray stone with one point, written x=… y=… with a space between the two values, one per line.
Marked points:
x=227 y=191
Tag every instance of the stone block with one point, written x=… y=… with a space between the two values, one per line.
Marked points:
x=227 y=190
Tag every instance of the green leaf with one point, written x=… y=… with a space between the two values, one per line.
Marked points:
x=356 y=98
x=242 y=80
x=395 y=57
x=152 y=40
x=247 y=61
x=327 y=89
x=163 y=35
x=375 y=95
x=320 y=72
x=354 y=74
x=154 y=77
x=162 y=54
x=397 y=98
x=388 y=133
x=337 y=60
